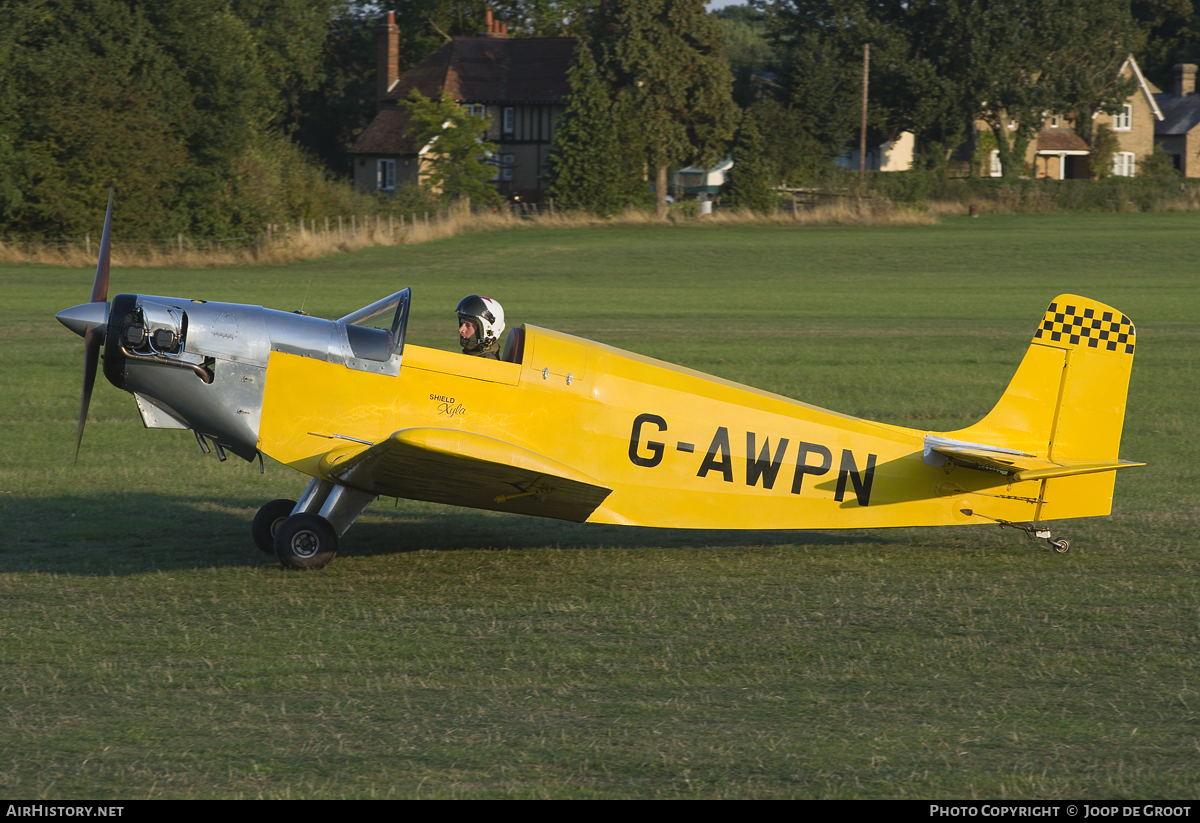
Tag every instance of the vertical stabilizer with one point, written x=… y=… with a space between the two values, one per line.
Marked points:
x=1066 y=402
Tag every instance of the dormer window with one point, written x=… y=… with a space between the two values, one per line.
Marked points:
x=1123 y=121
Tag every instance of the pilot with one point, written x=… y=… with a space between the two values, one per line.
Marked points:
x=480 y=324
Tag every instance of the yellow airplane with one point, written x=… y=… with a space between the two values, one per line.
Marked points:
x=568 y=428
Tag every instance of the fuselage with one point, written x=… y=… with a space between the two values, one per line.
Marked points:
x=678 y=448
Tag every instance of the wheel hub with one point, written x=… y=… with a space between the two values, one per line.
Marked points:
x=305 y=544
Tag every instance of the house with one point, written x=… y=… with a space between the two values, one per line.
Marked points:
x=1179 y=131
x=890 y=155
x=694 y=180
x=518 y=84
x=1059 y=153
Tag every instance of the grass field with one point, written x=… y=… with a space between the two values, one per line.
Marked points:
x=150 y=650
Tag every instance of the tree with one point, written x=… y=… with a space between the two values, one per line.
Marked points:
x=1171 y=29
x=823 y=42
x=670 y=82
x=937 y=66
x=329 y=117
x=1055 y=55
x=750 y=182
x=288 y=38
x=753 y=58
x=90 y=99
x=586 y=168
x=826 y=93
x=455 y=161
x=1104 y=146
x=169 y=101
x=792 y=156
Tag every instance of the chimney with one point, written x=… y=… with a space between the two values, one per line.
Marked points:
x=1185 y=79
x=493 y=27
x=387 y=56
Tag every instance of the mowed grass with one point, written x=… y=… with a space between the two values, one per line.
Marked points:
x=149 y=650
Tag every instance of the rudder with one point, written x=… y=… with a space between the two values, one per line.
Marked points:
x=1066 y=403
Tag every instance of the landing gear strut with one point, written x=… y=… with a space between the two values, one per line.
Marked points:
x=1036 y=531
x=305 y=535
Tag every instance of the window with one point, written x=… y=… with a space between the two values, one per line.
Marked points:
x=475 y=109
x=1055 y=121
x=1124 y=164
x=385 y=175
x=503 y=165
x=510 y=119
x=996 y=170
x=1124 y=120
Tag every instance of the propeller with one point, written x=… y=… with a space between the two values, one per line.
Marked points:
x=93 y=333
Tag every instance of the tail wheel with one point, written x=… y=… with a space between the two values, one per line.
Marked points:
x=1061 y=546
x=305 y=541
x=268 y=520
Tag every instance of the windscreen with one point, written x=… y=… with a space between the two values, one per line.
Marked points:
x=376 y=332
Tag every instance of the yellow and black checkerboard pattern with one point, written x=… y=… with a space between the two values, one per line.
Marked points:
x=1098 y=328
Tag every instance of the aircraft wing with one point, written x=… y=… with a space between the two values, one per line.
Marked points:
x=1018 y=465
x=465 y=469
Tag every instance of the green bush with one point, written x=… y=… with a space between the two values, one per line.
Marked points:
x=1112 y=194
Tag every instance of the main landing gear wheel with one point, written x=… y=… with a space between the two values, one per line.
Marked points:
x=305 y=541
x=268 y=520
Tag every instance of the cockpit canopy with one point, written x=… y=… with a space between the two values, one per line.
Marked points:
x=376 y=332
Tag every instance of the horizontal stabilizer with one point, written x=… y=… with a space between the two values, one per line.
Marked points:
x=465 y=469
x=1015 y=464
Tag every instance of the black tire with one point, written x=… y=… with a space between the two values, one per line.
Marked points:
x=305 y=541
x=268 y=521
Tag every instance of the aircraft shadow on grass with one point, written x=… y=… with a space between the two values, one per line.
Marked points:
x=74 y=535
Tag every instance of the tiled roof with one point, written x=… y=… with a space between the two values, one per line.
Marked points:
x=1060 y=140
x=496 y=70
x=1180 y=114
x=386 y=134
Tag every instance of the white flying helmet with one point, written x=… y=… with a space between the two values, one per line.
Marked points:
x=486 y=314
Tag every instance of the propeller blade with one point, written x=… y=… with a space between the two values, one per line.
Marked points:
x=100 y=284
x=91 y=357
x=93 y=336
